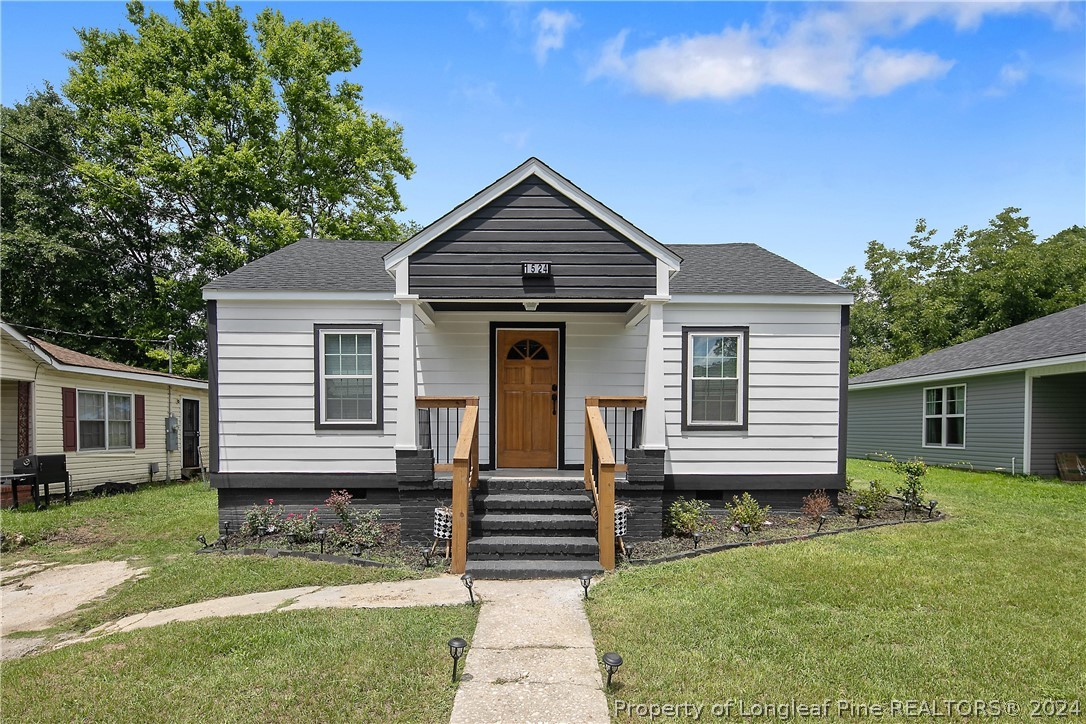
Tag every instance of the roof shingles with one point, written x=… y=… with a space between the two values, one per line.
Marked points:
x=78 y=359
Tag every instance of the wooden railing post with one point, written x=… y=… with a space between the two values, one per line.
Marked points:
x=606 y=516
x=465 y=476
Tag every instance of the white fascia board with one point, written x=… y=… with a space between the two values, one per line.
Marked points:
x=259 y=295
x=831 y=299
x=29 y=347
x=532 y=167
x=1058 y=365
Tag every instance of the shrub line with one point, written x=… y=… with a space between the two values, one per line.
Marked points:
x=773 y=541
x=324 y=557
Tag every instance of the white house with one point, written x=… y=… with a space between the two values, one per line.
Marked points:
x=721 y=367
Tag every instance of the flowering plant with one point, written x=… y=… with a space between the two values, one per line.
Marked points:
x=263 y=516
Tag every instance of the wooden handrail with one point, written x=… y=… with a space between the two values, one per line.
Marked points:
x=465 y=477
x=599 y=477
x=446 y=401
x=613 y=401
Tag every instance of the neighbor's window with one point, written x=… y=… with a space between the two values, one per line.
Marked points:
x=714 y=371
x=944 y=416
x=349 y=380
x=105 y=421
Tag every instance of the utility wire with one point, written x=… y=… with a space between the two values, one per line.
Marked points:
x=93 y=336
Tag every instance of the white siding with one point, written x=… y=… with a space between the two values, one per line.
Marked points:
x=266 y=400
x=793 y=391
x=92 y=468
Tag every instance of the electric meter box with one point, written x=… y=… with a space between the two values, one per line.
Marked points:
x=171 y=433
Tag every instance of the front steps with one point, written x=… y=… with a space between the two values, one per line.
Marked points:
x=535 y=527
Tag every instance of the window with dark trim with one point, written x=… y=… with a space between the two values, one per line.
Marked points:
x=715 y=371
x=944 y=416
x=105 y=420
x=348 y=384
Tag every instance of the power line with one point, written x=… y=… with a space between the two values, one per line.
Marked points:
x=93 y=336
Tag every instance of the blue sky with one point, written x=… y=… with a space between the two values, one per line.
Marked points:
x=807 y=128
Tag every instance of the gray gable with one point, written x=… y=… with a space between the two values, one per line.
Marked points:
x=743 y=269
x=316 y=265
x=1057 y=335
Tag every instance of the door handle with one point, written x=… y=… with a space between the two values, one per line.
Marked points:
x=554 y=403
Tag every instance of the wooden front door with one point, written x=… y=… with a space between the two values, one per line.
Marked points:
x=528 y=398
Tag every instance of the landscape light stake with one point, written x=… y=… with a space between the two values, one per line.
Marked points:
x=905 y=513
x=201 y=539
x=931 y=507
x=260 y=533
x=611 y=662
x=223 y=540
x=357 y=550
x=321 y=535
x=745 y=527
x=427 y=552
x=456 y=650
x=468 y=582
x=697 y=539
x=861 y=511
x=586 y=581
x=226 y=527
x=821 y=522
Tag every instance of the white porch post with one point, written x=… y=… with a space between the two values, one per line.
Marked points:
x=406 y=382
x=653 y=435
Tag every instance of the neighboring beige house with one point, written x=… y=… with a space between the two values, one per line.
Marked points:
x=109 y=419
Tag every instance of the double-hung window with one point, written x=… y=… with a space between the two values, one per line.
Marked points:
x=714 y=378
x=348 y=388
x=944 y=416
x=105 y=420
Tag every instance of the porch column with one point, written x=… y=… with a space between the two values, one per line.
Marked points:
x=406 y=429
x=653 y=435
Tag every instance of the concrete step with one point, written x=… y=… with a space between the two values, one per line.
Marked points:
x=532 y=568
x=540 y=484
x=533 y=524
x=512 y=502
x=504 y=547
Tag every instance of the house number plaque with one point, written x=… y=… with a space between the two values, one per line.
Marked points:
x=535 y=268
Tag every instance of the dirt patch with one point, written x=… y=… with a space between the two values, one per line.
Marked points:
x=92 y=532
x=40 y=598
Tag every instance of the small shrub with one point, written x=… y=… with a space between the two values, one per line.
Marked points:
x=745 y=509
x=686 y=517
x=816 y=504
x=912 y=487
x=873 y=498
x=340 y=503
x=263 y=516
x=302 y=527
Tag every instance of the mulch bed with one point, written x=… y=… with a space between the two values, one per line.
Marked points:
x=781 y=528
x=387 y=554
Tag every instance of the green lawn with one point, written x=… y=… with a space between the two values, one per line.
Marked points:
x=156 y=529
x=378 y=665
x=990 y=604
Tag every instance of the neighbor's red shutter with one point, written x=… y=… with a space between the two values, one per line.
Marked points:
x=67 y=416
x=141 y=427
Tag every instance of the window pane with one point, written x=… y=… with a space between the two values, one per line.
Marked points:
x=92 y=406
x=955 y=431
x=92 y=435
x=955 y=400
x=715 y=357
x=934 y=404
x=714 y=401
x=933 y=431
x=120 y=434
x=120 y=408
x=346 y=343
x=331 y=364
x=349 y=399
x=365 y=354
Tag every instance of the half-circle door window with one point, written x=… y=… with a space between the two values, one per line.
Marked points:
x=528 y=349
x=528 y=398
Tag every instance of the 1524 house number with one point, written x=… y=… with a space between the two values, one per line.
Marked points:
x=536 y=268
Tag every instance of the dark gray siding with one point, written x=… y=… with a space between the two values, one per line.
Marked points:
x=481 y=256
x=234 y=503
x=1059 y=420
x=890 y=419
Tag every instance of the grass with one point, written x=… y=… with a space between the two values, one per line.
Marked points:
x=986 y=605
x=387 y=665
x=155 y=528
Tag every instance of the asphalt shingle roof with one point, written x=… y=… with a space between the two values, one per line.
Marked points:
x=78 y=359
x=1057 y=335
x=327 y=265
x=324 y=265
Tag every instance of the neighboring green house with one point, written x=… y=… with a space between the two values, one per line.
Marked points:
x=1009 y=401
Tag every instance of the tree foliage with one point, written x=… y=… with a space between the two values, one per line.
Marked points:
x=933 y=294
x=190 y=146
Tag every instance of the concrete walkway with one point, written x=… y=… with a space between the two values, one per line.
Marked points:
x=532 y=658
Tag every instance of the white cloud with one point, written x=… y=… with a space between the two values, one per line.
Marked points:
x=551 y=27
x=1011 y=75
x=517 y=139
x=834 y=53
